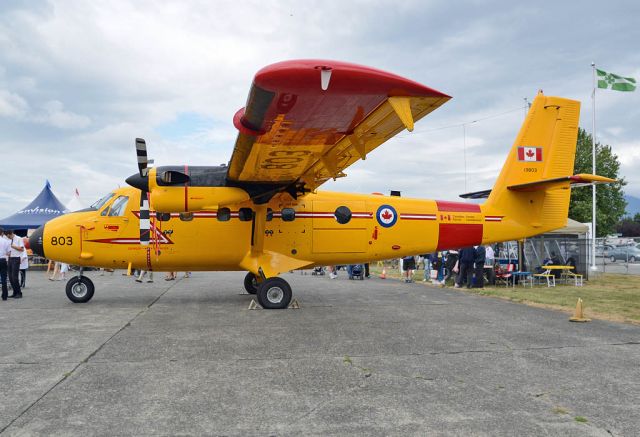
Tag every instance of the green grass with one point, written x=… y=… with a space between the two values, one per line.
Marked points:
x=609 y=296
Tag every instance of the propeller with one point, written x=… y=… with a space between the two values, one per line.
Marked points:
x=140 y=181
x=143 y=170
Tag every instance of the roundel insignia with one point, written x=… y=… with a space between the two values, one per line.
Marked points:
x=387 y=216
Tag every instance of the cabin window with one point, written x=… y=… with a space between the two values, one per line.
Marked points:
x=163 y=216
x=245 y=214
x=186 y=216
x=118 y=207
x=288 y=214
x=269 y=214
x=224 y=214
x=342 y=215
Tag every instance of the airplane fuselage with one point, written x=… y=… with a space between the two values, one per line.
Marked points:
x=322 y=228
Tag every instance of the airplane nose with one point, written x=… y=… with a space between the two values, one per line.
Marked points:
x=35 y=241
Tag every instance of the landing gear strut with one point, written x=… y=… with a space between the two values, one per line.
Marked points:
x=80 y=289
x=274 y=293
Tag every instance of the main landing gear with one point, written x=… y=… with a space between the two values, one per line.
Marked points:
x=272 y=293
x=80 y=289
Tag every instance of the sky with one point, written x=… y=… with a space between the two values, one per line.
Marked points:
x=79 y=81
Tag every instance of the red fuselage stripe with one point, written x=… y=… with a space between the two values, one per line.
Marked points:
x=444 y=206
x=455 y=236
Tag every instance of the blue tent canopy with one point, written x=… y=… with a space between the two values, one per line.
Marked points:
x=43 y=208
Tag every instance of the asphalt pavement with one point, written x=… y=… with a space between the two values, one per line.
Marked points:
x=373 y=357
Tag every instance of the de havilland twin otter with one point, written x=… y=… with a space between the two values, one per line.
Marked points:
x=304 y=123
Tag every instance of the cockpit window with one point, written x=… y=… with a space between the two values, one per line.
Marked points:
x=117 y=208
x=100 y=203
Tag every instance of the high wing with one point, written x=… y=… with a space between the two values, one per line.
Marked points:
x=305 y=121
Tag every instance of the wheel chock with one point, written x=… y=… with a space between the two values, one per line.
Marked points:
x=253 y=305
x=294 y=305
x=579 y=315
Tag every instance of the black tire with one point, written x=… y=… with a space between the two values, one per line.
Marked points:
x=612 y=259
x=251 y=283
x=274 y=294
x=80 y=289
x=632 y=259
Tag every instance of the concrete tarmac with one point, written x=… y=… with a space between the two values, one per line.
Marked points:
x=373 y=357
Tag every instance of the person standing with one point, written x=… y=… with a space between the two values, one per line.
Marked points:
x=17 y=247
x=450 y=265
x=426 y=259
x=465 y=274
x=490 y=259
x=479 y=266
x=143 y=273
x=5 y=246
x=24 y=265
x=408 y=266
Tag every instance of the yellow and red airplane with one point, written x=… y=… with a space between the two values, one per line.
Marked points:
x=304 y=123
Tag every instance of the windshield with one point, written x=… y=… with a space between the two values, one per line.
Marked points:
x=100 y=203
x=117 y=208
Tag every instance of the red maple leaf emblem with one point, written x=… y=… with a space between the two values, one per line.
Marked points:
x=530 y=153
x=386 y=214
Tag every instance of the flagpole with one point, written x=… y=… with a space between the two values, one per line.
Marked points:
x=593 y=157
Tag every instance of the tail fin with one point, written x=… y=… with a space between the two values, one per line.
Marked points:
x=544 y=150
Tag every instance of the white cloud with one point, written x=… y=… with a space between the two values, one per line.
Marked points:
x=12 y=105
x=55 y=115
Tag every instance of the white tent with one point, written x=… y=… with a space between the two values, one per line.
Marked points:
x=75 y=204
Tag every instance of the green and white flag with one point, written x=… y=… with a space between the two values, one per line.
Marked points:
x=615 y=82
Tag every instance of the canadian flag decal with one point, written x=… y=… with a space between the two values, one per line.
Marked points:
x=527 y=153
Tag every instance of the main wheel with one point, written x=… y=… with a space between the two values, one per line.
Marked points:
x=613 y=259
x=632 y=259
x=274 y=293
x=80 y=289
x=251 y=283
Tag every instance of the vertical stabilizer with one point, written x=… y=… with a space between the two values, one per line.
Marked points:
x=544 y=149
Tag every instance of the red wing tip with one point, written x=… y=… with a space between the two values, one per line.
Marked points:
x=283 y=73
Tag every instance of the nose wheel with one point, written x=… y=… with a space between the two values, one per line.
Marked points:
x=274 y=293
x=80 y=289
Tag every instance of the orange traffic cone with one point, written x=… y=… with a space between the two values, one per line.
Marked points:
x=579 y=315
x=383 y=275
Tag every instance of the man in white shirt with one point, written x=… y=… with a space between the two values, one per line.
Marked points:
x=17 y=247
x=5 y=245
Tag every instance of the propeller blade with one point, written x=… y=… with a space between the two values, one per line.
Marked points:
x=145 y=224
x=143 y=161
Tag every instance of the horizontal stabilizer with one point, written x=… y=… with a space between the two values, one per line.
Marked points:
x=578 y=180
x=476 y=194
x=575 y=180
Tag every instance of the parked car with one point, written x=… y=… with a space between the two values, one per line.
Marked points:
x=603 y=250
x=625 y=253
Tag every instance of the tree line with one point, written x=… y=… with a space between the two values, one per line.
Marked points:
x=610 y=203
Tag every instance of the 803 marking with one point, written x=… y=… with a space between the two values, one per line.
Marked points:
x=61 y=241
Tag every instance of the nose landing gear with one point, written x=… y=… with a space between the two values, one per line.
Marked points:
x=80 y=289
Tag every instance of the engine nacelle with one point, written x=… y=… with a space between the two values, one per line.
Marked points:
x=187 y=199
x=191 y=188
